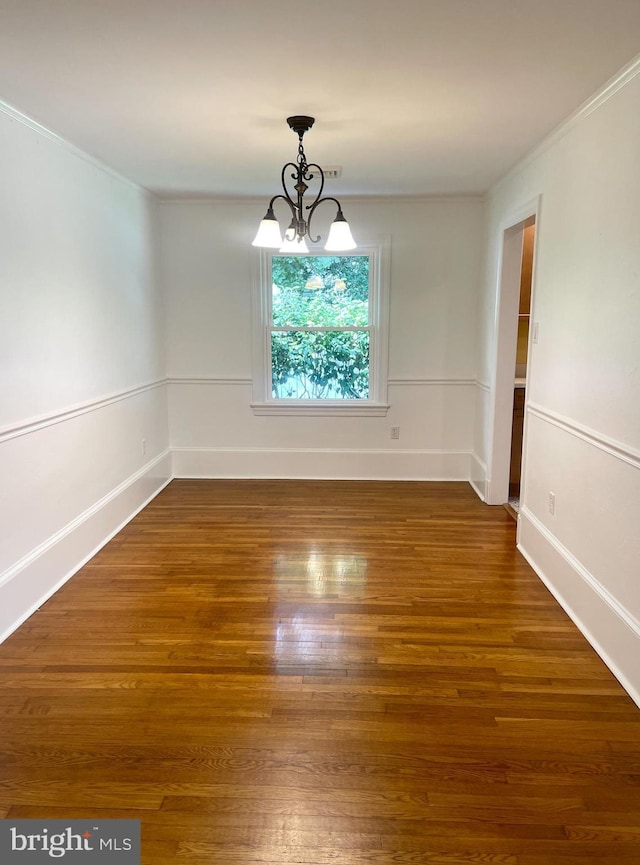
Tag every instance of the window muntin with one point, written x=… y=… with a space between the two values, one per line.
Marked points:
x=354 y=382
x=320 y=336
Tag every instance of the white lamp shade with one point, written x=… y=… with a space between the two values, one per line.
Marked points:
x=340 y=237
x=293 y=246
x=268 y=234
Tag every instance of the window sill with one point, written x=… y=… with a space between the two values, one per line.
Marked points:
x=321 y=408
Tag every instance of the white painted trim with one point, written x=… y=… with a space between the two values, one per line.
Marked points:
x=507 y=295
x=392 y=382
x=477 y=490
x=478 y=476
x=431 y=382
x=75 y=544
x=41 y=421
x=378 y=250
x=46 y=545
x=628 y=618
x=315 y=408
x=480 y=462
x=261 y=201
x=93 y=161
x=354 y=451
x=599 y=616
x=211 y=381
x=342 y=464
x=521 y=213
x=481 y=385
x=611 y=446
x=599 y=98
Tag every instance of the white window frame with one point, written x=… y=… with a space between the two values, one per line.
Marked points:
x=376 y=405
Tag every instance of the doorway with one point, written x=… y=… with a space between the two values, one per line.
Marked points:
x=520 y=367
x=511 y=358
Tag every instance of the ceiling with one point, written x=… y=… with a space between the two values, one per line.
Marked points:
x=412 y=97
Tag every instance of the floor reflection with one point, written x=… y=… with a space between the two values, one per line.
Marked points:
x=307 y=630
x=320 y=574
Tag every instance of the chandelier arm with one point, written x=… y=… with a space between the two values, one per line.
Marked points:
x=284 y=198
x=295 y=203
x=293 y=177
x=309 y=176
x=292 y=207
x=312 y=208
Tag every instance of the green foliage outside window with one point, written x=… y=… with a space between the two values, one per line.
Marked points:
x=320 y=292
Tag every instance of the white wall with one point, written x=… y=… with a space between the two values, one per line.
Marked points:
x=207 y=269
x=81 y=361
x=582 y=433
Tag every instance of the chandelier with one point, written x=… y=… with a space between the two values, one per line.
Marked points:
x=269 y=235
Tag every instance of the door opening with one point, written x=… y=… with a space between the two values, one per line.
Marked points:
x=520 y=369
x=506 y=468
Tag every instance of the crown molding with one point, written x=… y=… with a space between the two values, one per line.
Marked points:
x=599 y=98
x=15 y=115
x=253 y=200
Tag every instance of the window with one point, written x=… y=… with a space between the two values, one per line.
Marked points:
x=320 y=333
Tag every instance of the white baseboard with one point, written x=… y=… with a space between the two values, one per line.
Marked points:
x=478 y=489
x=478 y=476
x=32 y=580
x=320 y=463
x=612 y=631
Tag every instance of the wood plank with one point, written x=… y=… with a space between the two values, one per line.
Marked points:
x=326 y=672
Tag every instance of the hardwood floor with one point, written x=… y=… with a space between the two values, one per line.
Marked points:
x=352 y=673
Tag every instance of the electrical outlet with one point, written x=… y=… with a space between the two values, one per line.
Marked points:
x=143 y=447
x=552 y=502
x=395 y=432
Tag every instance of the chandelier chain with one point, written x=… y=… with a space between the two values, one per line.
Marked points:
x=302 y=159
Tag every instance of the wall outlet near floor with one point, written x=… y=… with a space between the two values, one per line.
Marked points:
x=552 y=502
x=395 y=432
